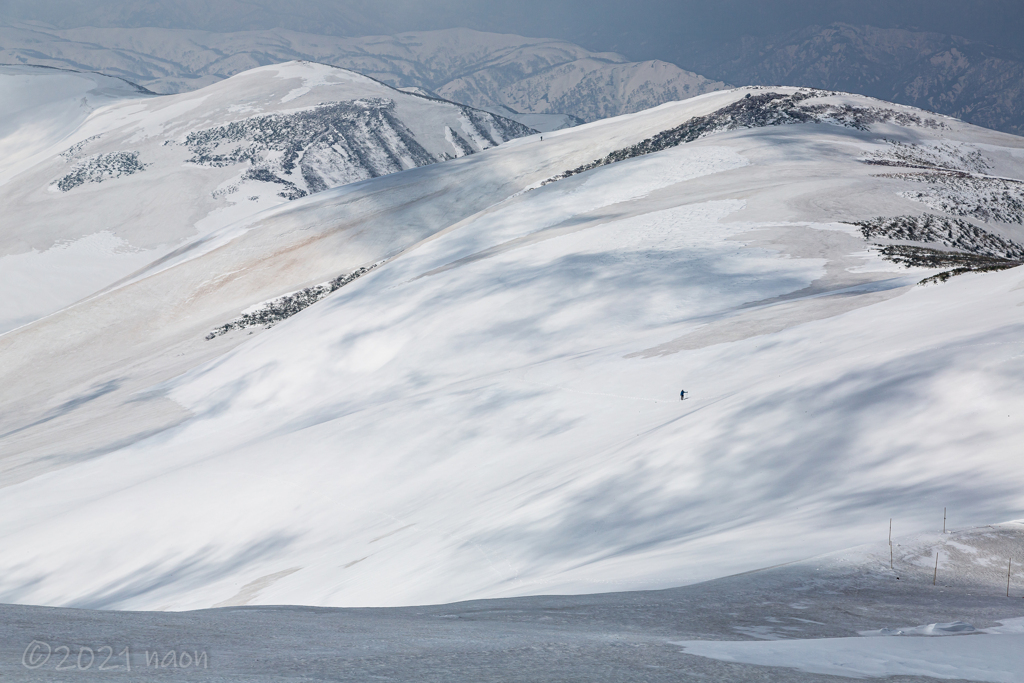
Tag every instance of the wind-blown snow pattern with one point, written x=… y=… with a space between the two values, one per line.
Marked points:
x=495 y=410
x=89 y=154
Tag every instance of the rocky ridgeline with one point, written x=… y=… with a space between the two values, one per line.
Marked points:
x=274 y=311
x=953 y=175
x=759 y=111
x=100 y=167
x=334 y=144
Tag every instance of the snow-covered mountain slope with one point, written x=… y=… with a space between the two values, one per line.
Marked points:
x=495 y=409
x=40 y=105
x=88 y=202
x=543 y=79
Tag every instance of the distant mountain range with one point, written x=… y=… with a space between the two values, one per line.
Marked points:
x=549 y=84
x=970 y=80
x=504 y=74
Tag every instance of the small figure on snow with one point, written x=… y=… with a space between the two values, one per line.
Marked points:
x=682 y=395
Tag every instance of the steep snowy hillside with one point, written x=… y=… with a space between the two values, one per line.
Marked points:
x=534 y=80
x=88 y=202
x=487 y=404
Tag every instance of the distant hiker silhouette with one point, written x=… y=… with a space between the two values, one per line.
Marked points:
x=682 y=395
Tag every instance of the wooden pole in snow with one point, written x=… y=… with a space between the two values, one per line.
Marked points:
x=936 y=574
x=943 y=520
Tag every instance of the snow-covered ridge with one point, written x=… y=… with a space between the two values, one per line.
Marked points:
x=948 y=570
x=156 y=171
x=950 y=74
x=759 y=110
x=953 y=173
x=42 y=104
x=335 y=144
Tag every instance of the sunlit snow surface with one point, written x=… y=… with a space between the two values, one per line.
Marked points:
x=495 y=411
x=83 y=156
x=81 y=266
x=40 y=106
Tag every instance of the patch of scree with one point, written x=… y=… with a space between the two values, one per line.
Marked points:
x=955 y=179
x=100 y=167
x=959 y=262
x=274 y=311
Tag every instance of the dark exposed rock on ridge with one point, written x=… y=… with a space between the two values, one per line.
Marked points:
x=100 y=167
x=274 y=311
x=333 y=144
x=758 y=111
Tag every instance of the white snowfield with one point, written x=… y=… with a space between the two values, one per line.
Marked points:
x=101 y=178
x=495 y=411
x=41 y=105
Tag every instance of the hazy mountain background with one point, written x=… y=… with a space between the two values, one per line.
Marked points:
x=971 y=80
x=557 y=82
x=963 y=58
